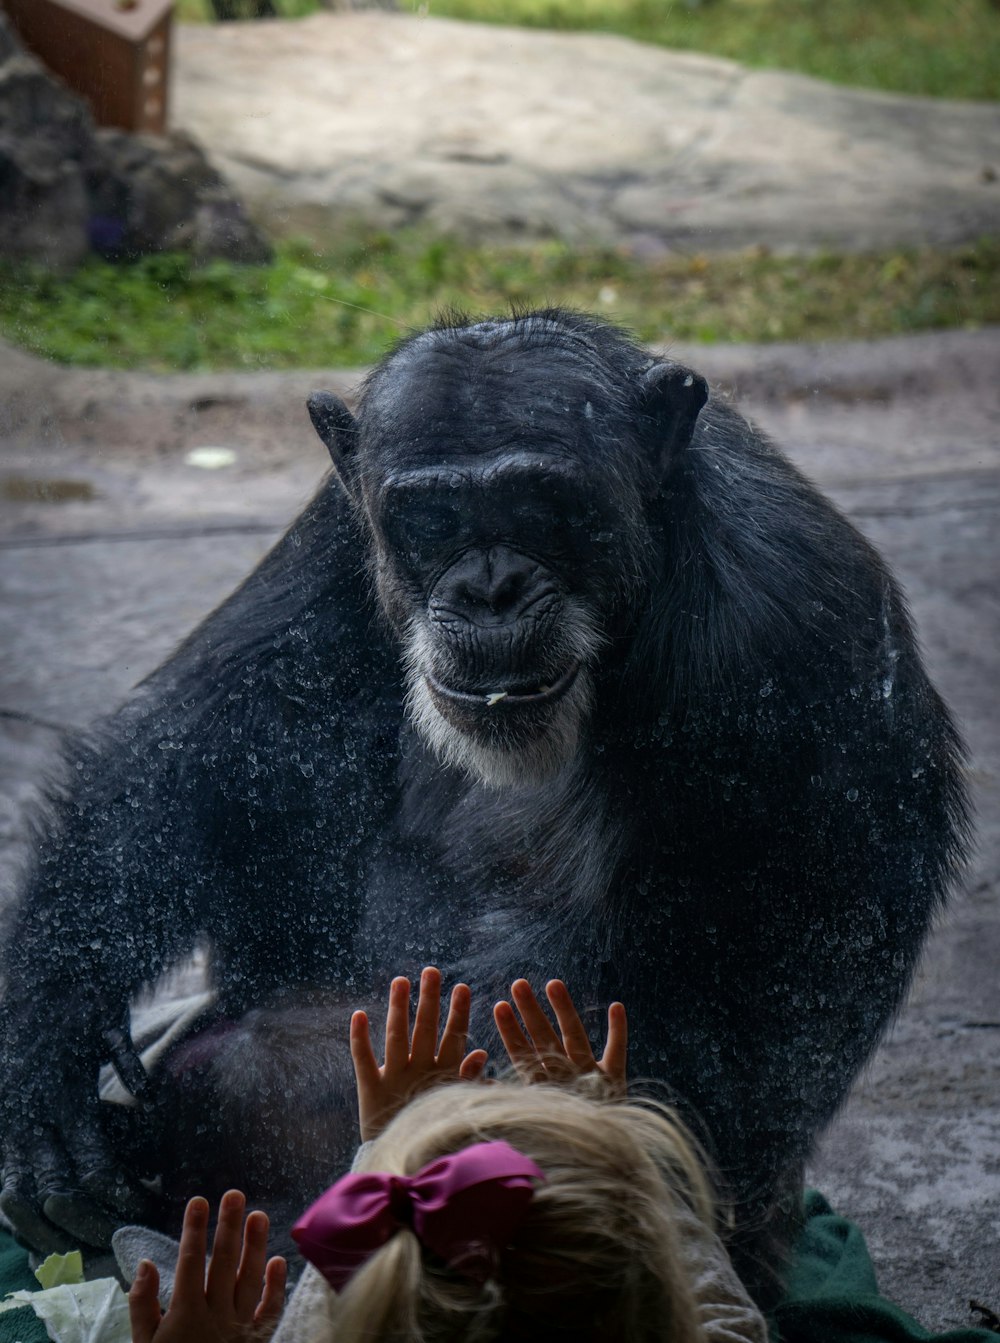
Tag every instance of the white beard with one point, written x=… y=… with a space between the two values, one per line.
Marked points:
x=499 y=767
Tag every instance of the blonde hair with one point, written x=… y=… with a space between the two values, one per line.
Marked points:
x=597 y=1256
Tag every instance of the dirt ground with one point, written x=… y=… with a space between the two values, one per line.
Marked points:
x=113 y=545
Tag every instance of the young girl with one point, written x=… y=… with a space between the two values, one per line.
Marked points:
x=479 y=1212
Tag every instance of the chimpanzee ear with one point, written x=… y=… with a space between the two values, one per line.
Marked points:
x=338 y=429
x=672 y=398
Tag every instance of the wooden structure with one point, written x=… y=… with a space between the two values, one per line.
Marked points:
x=114 y=53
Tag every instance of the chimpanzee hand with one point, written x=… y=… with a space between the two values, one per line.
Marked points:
x=62 y=1187
x=537 y=1052
x=411 y=1065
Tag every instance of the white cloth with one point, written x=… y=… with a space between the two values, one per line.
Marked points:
x=154 y=1028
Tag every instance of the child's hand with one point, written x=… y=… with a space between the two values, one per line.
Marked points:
x=411 y=1065
x=539 y=1055
x=239 y=1291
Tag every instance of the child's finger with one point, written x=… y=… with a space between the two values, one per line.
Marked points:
x=520 y=1050
x=614 y=1061
x=366 y=1073
x=574 y=1035
x=456 y=1028
x=272 y=1301
x=471 y=1067
x=536 y=1023
x=220 y=1286
x=250 y=1274
x=189 y=1276
x=425 y=1024
x=397 y=1025
x=143 y=1305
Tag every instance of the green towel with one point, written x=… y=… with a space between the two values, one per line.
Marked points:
x=832 y=1295
x=17 y=1326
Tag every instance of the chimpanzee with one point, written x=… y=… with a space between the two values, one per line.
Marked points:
x=565 y=670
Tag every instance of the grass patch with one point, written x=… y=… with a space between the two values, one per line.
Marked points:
x=344 y=307
x=947 y=48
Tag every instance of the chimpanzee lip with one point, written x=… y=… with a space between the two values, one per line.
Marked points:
x=504 y=699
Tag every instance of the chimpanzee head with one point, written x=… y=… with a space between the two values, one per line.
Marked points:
x=506 y=473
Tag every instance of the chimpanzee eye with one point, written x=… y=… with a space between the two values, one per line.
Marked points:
x=575 y=524
x=415 y=525
x=437 y=522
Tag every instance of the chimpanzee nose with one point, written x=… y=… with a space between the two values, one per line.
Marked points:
x=493 y=585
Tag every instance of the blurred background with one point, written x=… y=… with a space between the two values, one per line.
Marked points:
x=664 y=163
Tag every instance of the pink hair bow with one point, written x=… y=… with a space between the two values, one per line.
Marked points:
x=464 y=1208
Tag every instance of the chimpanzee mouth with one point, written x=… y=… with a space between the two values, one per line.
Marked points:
x=521 y=697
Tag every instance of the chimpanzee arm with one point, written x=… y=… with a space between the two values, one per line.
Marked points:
x=231 y=798
x=105 y=907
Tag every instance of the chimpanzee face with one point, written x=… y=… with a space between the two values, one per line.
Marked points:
x=488 y=569
x=508 y=529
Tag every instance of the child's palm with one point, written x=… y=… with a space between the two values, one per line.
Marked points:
x=540 y=1055
x=415 y=1062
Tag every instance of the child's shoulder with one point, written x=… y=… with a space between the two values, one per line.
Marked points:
x=725 y=1310
x=309 y=1313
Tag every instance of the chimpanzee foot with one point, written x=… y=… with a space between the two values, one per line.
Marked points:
x=87 y=1223
x=103 y=1181
x=21 y=1204
x=59 y=1198
x=30 y=1225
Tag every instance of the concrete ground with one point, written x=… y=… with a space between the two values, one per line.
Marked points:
x=502 y=133
x=113 y=545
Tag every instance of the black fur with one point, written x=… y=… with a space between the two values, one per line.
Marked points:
x=745 y=840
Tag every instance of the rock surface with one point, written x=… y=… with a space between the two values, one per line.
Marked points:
x=114 y=545
x=151 y=193
x=45 y=139
x=67 y=187
x=502 y=133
